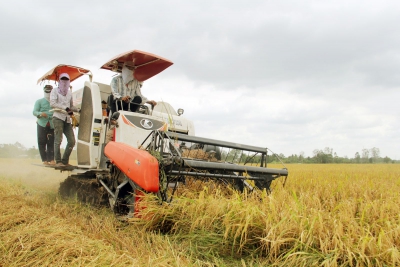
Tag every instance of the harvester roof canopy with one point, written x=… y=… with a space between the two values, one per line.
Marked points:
x=146 y=65
x=73 y=72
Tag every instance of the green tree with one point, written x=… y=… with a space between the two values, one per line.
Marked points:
x=357 y=157
x=12 y=150
x=301 y=157
x=387 y=159
x=365 y=155
x=32 y=152
x=375 y=154
x=323 y=156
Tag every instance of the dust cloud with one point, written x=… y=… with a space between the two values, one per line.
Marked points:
x=26 y=172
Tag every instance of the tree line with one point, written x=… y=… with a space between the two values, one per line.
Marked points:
x=327 y=155
x=17 y=150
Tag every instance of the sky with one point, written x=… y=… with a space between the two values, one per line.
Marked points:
x=293 y=76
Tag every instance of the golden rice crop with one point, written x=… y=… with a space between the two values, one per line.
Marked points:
x=326 y=215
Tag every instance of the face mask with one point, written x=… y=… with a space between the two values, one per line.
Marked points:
x=63 y=84
x=47 y=96
x=63 y=87
x=47 y=90
x=127 y=75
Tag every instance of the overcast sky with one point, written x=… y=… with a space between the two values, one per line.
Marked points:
x=293 y=76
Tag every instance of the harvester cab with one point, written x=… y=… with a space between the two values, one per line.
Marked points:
x=125 y=154
x=98 y=125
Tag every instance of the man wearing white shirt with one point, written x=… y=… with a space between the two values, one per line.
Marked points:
x=61 y=101
x=126 y=88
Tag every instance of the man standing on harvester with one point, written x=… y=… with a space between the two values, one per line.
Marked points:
x=61 y=102
x=45 y=129
x=127 y=90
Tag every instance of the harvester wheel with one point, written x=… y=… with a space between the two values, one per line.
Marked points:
x=124 y=197
x=124 y=205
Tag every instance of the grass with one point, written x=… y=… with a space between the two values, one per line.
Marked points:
x=327 y=215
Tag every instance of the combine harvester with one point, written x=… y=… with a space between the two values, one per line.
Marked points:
x=152 y=150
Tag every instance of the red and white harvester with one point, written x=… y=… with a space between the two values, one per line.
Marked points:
x=123 y=155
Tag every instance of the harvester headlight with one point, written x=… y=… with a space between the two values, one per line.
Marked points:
x=180 y=111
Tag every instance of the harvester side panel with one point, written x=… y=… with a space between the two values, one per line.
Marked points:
x=90 y=128
x=138 y=165
x=130 y=129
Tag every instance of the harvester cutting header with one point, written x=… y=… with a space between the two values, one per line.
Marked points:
x=123 y=153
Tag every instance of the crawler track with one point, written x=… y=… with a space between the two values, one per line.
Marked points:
x=85 y=190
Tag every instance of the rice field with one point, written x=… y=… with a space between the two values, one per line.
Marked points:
x=326 y=215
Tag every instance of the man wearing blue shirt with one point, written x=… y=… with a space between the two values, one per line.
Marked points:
x=45 y=128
